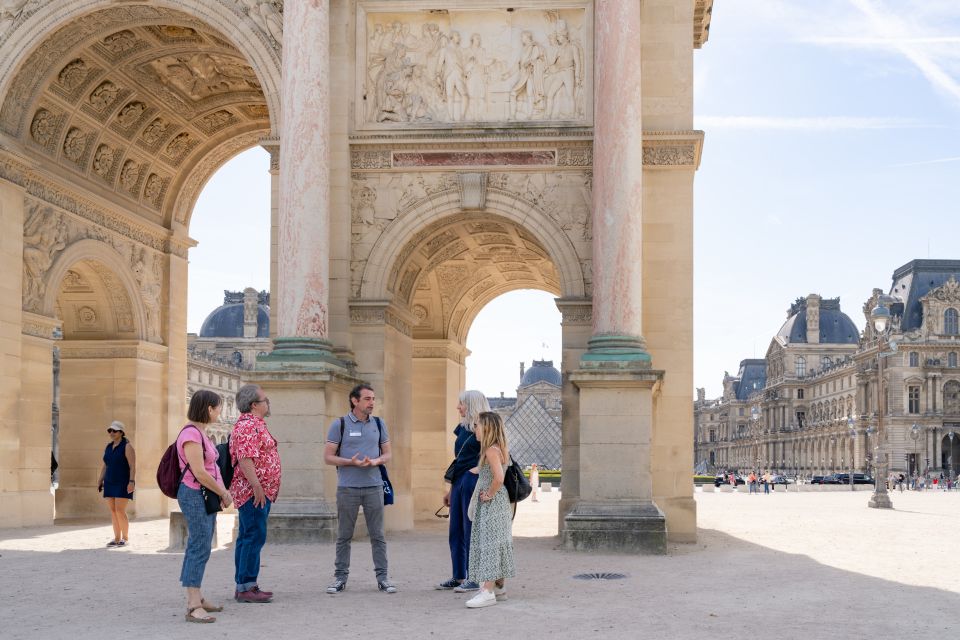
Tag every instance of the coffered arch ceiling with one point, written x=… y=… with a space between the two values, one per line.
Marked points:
x=139 y=105
x=93 y=304
x=462 y=264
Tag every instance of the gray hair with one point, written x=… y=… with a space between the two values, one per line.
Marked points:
x=246 y=396
x=475 y=403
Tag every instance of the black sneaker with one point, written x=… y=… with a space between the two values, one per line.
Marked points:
x=448 y=584
x=337 y=586
x=386 y=586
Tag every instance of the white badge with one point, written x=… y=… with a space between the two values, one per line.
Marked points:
x=355 y=434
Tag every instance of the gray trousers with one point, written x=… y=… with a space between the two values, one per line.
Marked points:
x=349 y=501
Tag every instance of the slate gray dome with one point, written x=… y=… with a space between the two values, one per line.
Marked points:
x=541 y=371
x=836 y=327
x=227 y=322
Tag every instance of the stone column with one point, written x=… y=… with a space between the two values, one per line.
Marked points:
x=303 y=234
x=617 y=187
x=614 y=508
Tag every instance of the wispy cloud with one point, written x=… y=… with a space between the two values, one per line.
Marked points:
x=823 y=123
x=896 y=33
x=866 y=41
x=923 y=162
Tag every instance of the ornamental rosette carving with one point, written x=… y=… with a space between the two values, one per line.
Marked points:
x=948 y=292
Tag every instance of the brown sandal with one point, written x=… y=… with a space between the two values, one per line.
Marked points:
x=202 y=619
x=211 y=608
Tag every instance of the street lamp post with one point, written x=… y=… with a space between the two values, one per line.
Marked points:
x=880 y=316
x=853 y=450
x=915 y=435
x=950 y=461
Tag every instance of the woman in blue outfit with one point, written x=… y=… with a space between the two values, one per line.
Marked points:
x=116 y=481
x=466 y=450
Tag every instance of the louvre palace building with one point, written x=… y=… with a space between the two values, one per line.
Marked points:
x=814 y=403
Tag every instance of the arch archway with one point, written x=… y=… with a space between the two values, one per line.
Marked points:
x=113 y=115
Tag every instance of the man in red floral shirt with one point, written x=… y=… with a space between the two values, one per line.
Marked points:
x=256 y=483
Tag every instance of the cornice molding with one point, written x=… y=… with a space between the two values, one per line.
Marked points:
x=381 y=312
x=112 y=349
x=39 y=326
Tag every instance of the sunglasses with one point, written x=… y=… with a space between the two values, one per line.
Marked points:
x=442 y=515
x=112 y=431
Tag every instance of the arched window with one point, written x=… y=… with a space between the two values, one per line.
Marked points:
x=950 y=322
x=914 y=359
x=801 y=364
x=825 y=361
x=952 y=359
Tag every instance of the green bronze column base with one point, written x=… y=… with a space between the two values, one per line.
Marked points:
x=615 y=351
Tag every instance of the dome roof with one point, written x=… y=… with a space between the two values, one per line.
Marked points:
x=836 y=327
x=542 y=371
x=226 y=321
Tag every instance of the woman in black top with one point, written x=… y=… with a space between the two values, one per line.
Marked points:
x=466 y=450
x=117 y=481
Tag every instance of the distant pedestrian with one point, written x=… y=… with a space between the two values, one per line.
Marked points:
x=117 y=482
x=534 y=483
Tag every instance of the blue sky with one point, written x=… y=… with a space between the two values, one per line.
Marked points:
x=832 y=157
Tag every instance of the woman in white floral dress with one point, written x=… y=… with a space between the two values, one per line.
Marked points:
x=491 y=540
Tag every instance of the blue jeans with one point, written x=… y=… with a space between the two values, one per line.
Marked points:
x=349 y=501
x=250 y=540
x=460 y=524
x=200 y=526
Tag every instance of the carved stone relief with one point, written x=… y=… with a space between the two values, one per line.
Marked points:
x=73 y=74
x=148 y=272
x=203 y=75
x=74 y=145
x=268 y=15
x=103 y=161
x=44 y=237
x=120 y=42
x=103 y=96
x=44 y=127
x=475 y=66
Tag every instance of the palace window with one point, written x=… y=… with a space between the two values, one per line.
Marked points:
x=713 y=435
x=913 y=399
x=801 y=365
x=914 y=359
x=950 y=322
x=799 y=394
x=952 y=359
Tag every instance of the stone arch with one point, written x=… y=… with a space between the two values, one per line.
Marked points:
x=185 y=86
x=247 y=33
x=399 y=239
x=99 y=252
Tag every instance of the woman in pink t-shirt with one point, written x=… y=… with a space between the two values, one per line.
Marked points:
x=198 y=452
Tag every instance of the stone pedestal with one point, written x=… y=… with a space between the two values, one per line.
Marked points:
x=304 y=400
x=178 y=533
x=615 y=509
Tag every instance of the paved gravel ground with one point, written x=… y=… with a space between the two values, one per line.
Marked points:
x=795 y=565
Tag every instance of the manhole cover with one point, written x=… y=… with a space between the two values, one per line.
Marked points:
x=599 y=576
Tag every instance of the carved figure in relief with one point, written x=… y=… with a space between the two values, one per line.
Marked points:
x=478 y=68
x=148 y=277
x=43 y=237
x=104 y=95
x=528 y=84
x=10 y=10
x=451 y=77
x=266 y=14
x=203 y=74
x=564 y=75
x=178 y=145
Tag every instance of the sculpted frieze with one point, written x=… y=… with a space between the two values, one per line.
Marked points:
x=202 y=75
x=45 y=235
x=11 y=12
x=478 y=66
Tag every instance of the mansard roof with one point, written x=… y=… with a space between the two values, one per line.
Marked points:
x=752 y=378
x=913 y=281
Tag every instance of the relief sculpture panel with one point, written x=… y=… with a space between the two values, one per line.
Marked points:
x=437 y=68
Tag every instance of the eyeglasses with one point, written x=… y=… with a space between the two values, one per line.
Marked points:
x=111 y=430
x=442 y=515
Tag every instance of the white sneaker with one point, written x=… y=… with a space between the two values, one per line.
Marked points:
x=483 y=599
x=501 y=594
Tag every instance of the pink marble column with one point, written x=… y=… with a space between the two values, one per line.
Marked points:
x=304 y=218
x=617 y=183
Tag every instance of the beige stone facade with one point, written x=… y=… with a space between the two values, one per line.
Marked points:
x=428 y=173
x=806 y=391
